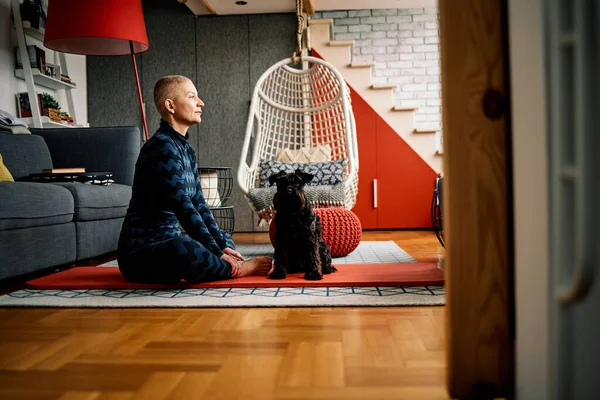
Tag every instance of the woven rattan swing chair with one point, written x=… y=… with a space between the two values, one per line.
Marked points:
x=295 y=109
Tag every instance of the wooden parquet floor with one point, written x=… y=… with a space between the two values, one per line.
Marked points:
x=271 y=353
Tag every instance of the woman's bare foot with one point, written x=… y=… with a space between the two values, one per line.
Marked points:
x=255 y=266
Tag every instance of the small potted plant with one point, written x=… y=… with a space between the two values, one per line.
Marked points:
x=50 y=107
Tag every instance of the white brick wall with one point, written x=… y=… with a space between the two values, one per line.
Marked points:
x=405 y=45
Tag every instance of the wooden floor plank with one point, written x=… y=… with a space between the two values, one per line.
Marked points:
x=252 y=377
x=73 y=395
x=159 y=386
x=115 y=396
x=192 y=386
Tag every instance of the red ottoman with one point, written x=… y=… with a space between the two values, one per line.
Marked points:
x=342 y=230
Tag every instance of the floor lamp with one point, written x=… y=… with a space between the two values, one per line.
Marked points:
x=98 y=28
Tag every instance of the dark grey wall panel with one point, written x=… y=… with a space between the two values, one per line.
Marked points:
x=112 y=93
x=224 y=84
x=272 y=38
x=172 y=38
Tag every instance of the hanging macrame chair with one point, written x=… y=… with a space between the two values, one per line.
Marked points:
x=294 y=109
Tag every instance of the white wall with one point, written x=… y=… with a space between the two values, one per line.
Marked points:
x=9 y=85
x=404 y=43
x=530 y=198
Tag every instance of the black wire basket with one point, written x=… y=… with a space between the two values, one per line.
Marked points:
x=224 y=217
x=217 y=184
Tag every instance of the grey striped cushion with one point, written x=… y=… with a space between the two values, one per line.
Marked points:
x=261 y=199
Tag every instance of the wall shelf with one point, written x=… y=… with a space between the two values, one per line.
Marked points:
x=34 y=77
x=47 y=123
x=34 y=33
x=44 y=80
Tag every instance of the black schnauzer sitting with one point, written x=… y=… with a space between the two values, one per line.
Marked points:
x=299 y=246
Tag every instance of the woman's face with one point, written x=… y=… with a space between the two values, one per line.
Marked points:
x=187 y=104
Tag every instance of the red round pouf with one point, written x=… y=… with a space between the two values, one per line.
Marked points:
x=342 y=230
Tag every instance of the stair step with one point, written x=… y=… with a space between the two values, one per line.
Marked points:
x=362 y=64
x=426 y=130
x=405 y=108
x=320 y=21
x=383 y=86
x=341 y=43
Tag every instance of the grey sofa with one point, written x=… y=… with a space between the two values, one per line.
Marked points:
x=43 y=225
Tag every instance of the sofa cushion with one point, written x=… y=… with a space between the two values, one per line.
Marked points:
x=27 y=204
x=96 y=202
x=24 y=154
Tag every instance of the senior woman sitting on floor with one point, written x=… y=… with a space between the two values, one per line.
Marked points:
x=166 y=192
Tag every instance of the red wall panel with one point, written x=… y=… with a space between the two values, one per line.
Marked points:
x=405 y=181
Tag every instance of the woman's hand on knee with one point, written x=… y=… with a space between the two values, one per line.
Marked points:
x=234 y=253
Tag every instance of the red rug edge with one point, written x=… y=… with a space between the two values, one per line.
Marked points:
x=435 y=278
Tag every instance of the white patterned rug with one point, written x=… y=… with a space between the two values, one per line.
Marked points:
x=366 y=253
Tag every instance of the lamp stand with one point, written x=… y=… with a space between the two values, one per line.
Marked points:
x=139 y=90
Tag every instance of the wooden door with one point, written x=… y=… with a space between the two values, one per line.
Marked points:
x=477 y=204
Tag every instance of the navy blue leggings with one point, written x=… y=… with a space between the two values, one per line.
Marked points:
x=172 y=260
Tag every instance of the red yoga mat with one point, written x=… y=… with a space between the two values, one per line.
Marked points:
x=409 y=274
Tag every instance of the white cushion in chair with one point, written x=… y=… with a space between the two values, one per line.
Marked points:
x=304 y=155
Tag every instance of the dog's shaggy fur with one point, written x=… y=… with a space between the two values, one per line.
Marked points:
x=299 y=246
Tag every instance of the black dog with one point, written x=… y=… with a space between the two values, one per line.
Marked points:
x=299 y=246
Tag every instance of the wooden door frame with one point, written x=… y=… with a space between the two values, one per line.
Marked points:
x=477 y=198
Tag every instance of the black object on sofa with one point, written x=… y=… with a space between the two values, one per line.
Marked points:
x=43 y=225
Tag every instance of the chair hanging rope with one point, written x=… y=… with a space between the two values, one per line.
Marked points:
x=301 y=26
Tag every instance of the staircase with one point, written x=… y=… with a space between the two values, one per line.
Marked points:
x=424 y=140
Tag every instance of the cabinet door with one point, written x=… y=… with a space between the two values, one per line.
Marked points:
x=405 y=183
x=366 y=134
x=395 y=185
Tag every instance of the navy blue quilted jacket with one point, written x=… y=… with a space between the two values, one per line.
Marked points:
x=166 y=190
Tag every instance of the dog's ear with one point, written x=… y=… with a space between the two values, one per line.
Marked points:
x=304 y=176
x=273 y=178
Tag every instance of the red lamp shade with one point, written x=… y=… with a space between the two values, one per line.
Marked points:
x=96 y=27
